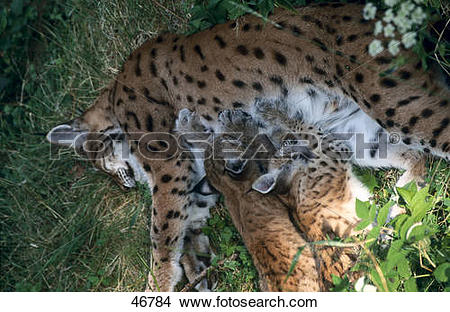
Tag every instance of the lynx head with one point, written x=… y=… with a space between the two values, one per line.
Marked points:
x=97 y=137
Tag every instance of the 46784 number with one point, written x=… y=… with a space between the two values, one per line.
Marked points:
x=146 y=301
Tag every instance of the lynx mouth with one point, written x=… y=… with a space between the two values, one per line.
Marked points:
x=125 y=178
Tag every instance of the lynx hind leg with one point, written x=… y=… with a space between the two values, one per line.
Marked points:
x=416 y=169
x=267 y=231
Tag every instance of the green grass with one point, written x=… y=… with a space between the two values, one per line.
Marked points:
x=65 y=226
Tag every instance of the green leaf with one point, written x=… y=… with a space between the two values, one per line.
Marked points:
x=447 y=202
x=419 y=232
x=403 y=268
x=369 y=180
x=410 y=285
x=399 y=221
x=383 y=213
x=362 y=225
x=294 y=262
x=420 y=204
x=372 y=236
x=407 y=192
x=405 y=227
x=442 y=272
x=362 y=209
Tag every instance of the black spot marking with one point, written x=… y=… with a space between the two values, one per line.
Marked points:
x=189 y=79
x=389 y=123
x=149 y=123
x=239 y=83
x=147 y=167
x=246 y=27
x=388 y=83
x=280 y=58
x=339 y=40
x=201 y=84
x=242 y=50
x=375 y=98
x=296 y=31
x=219 y=75
x=222 y=44
x=153 y=53
x=207 y=117
x=258 y=52
x=309 y=58
x=276 y=80
x=237 y=104
x=413 y=120
x=319 y=71
x=138 y=65
x=204 y=68
x=404 y=75
x=159 y=39
x=166 y=178
x=306 y=80
x=405 y=130
x=216 y=100
x=339 y=70
x=129 y=114
x=153 y=69
x=352 y=38
x=182 y=55
x=257 y=86
x=320 y=44
x=443 y=103
x=359 y=78
x=164 y=84
x=426 y=113
x=330 y=29
x=201 y=101
x=189 y=99
x=198 y=50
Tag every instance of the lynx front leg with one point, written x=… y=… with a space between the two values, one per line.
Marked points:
x=168 y=227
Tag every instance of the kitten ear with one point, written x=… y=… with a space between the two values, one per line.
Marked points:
x=67 y=135
x=265 y=183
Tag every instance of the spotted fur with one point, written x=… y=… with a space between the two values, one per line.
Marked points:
x=228 y=66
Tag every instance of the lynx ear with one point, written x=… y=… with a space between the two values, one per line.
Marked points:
x=265 y=183
x=67 y=135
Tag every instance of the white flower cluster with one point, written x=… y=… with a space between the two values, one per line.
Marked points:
x=402 y=17
x=362 y=285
